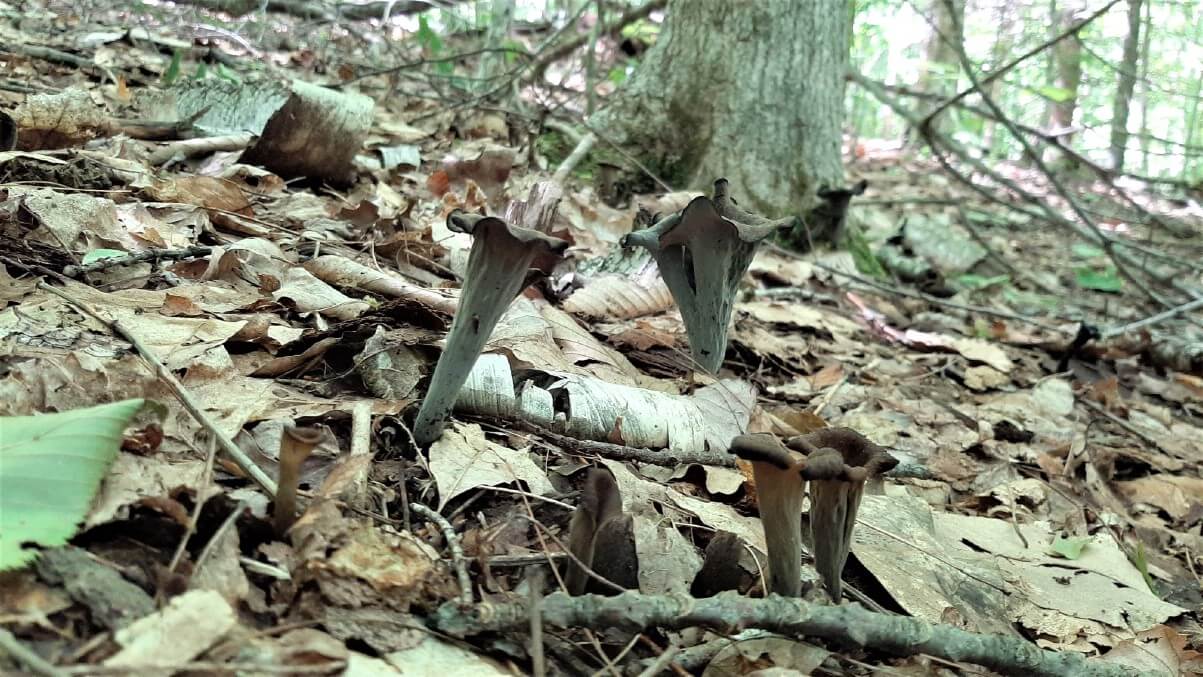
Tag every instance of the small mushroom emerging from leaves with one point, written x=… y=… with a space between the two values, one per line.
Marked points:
x=498 y=264
x=779 y=491
x=599 y=527
x=703 y=251
x=296 y=444
x=838 y=463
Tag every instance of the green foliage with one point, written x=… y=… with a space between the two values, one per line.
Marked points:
x=50 y=468
x=862 y=253
x=617 y=75
x=173 y=69
x=977 y=282
x=1087 y=251
x=1140 y=560
x=1054 y=94
x=1069 y=548
x=642 y=30
x=1104 y=279
x=432 y=44
x=101 y=254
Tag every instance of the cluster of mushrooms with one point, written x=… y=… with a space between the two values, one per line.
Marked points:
x=703 y=252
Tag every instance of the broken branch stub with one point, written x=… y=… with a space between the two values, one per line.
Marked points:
x=839 y=462
x=703 y=251
x=498 y=263
x=779 y=492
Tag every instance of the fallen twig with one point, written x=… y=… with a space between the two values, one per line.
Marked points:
x=148 y=255
x=848 y=624
x=453 y=545
x=182 y=394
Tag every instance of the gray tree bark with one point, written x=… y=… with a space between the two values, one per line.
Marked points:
x=942 y=67
x=1067 y=63
x=749 y=90
x=1125 y=87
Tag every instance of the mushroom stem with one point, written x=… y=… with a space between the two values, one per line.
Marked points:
x=497 y=267
x=295 y=446
x=837 y=472
x=779 y=491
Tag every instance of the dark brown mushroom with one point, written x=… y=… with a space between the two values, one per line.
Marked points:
x=599 y=526
x=779 y=491
x=838 y=463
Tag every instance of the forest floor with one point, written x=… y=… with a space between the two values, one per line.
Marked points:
x=1049 y=489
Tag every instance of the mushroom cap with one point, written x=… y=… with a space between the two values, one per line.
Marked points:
x=494 y=228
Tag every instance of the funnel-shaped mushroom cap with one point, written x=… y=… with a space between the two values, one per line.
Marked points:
x=838 y=463
x=703 y=252
x=497 y=270
x=779 y=492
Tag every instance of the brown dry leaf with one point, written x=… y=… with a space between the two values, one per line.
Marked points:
x=800 y=315
x=203 y=191
x=620 y=297
x=174 y=635
x=1177 y=495
x=132 y=478
x=310 y=294
x=1160 y=649
x=75 y=222
x=462 y=460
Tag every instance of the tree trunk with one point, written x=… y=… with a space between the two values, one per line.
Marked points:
x=748 y=90
x=942 y=67
x=1067 y=60
x=1123 y=91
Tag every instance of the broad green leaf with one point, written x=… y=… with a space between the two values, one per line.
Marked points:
x=1099 y=280
x=1087 y=251
x=972 y=281
x=50 y=468
x=617 y=75
x=173 y=69
x=1069 y=548
x=1055 y=94
x=100 y=254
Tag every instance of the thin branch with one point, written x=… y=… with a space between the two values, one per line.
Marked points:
x=453 y=545
x=182 y=394
x=849 y=624
x=999 y=72
x=148 y=255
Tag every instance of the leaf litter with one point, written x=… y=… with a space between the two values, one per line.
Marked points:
x=1019 y=455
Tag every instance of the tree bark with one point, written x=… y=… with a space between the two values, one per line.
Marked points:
x=942 y=67
x=1125 y=87
x=1067 y=64
x=743 y=89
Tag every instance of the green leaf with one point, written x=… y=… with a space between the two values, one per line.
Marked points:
x=862 y=254
x=971 y=281
x=50 y=469
x=617 y=75
x=173 y=69
x=1069 y=548
x=202 y=69
x=1087 y=251
x=427 y=38
x=101 y=254
x=1055 y=94
x=227 y=74
x=1140 y=560
x=1107 y=280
